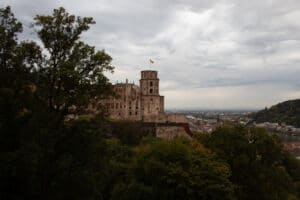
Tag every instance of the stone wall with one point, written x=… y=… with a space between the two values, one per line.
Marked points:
x=167 y=130
x=127 y=102
x=141 y=103
x=144 y=104
x=170 y=132
x=133 y=102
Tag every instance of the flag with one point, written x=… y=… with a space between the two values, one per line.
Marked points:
x=151 y=61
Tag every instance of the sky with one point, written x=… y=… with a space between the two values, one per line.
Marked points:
x=210 y=54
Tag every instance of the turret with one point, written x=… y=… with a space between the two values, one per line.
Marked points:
x=149 y=83
x=152 y=103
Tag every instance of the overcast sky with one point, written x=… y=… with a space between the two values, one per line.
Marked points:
x=210 y=54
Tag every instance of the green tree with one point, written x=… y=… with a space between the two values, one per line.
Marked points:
x=17 y=103
x=17 y=63
x=259 y=165
x=72 y=71
x=42 y=156
x=9 y=28
x=128 y=132
x=175 y=170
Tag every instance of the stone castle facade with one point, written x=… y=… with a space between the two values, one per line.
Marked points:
x=144 y=103
x=137 y=103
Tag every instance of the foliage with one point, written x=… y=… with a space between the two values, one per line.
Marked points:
x=41 y=156
x=175 y=170
x=128 y=132
x=287 y=112
x=72 y=71
x=261 y=169
x=9 y=28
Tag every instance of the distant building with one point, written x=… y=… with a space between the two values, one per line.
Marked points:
x=141 y=103
x=136 y=103
x=144 y=103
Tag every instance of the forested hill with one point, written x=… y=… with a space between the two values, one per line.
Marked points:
x=286 y=112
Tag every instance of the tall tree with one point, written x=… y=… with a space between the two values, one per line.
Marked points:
x=18 y=62
x=35 y=161
x=9 y=28
x=72 y=72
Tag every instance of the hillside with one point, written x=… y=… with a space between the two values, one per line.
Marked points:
x=286 y=112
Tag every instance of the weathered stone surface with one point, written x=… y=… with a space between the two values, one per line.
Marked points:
x=170 y=132
x=143 y=103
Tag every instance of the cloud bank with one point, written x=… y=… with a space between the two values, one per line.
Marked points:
x=210 y=54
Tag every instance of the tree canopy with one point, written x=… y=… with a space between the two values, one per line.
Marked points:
x=257 y=161
x=72 y=71
x=42 y=156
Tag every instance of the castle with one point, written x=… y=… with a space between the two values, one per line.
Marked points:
x=144 y=103
x=141 y=103
x=137 y=103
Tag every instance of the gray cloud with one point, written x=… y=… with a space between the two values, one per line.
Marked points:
x=214 y=53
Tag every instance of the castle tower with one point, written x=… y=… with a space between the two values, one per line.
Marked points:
x=151 y=102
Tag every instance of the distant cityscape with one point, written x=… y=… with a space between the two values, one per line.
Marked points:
x=206 y=121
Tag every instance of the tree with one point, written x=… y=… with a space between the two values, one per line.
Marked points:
x=260 y=166
x=17 y=102
x=72 y=71
x=41 y=155
x=17 y=64
x=175 y=170
x=128 y=132
x=9 y=28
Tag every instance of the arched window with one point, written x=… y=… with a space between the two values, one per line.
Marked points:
x=151 y=83
x=151 y=91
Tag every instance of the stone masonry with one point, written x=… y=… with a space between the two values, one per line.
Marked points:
x=137 y=103
x=144 y=103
